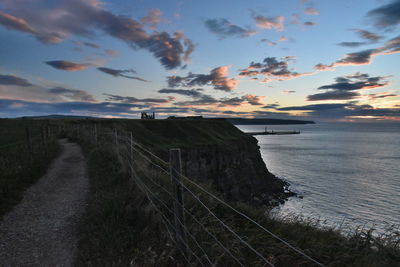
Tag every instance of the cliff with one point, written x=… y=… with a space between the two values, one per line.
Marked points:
x=213 y=151
x=234 y=168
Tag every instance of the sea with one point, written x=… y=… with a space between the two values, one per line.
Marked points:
x=346 y=175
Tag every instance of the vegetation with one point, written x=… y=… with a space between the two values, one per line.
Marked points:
x=119 y=228
x=122 y=227
x=20 y=167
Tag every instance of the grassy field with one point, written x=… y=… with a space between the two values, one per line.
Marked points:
x=20 y=167
x=121 y=228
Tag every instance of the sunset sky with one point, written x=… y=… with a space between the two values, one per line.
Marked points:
x=299 y=59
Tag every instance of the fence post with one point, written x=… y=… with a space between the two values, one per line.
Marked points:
x=116 y=136
x=42 y=135
x=95 y=133
x=28 y=139
x=77 y=131
x=175 y=162
x=131 y=139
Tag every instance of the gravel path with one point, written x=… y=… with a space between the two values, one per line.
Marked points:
x=42 y=229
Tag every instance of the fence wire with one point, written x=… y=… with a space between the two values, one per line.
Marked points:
x=152 y=175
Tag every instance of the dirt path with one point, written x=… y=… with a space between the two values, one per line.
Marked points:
x=42 y=229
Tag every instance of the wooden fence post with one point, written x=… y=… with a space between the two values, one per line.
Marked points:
x=28 y=139
x=42 y=135
x=175 y=162
x=95 y=134
x=77 y=131
x=116 y=136
x=131 y=139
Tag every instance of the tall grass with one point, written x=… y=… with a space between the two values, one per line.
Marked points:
x=20 y=167
x=119 y=228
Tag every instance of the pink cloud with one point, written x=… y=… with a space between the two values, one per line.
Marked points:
x=270 y=23
x=15 y=23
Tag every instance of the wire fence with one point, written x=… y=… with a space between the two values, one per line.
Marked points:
x=206 y=230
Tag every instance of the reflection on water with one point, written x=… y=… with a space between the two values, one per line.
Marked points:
x=345 y=172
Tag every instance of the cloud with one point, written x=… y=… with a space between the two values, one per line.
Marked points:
x=271 y=106
x=356 y=82
x=152 y=18
x=347 y=87
x=13 y=80
x=386 y=16
x=314 y=107
x=200 y=99
x=205 y=100
x=367 y=35
x=253 y=99
x=295 y=19
x=323 y=67
x=223 y=28
x=288 y=91
x=364 y=34
x=276 y=23
x=194 y=93
x=133 y=100
x=54 y=23
x=345 y=110
x=333 y=95
x=309 y=23
x=111 y=52
x=14 y=23
x=72 y=94
x=217 y=78
x=92 y=45
x=311 y=11
x=268 y=42
x=12 y=107
x=381 y=95
x=67 y=65
x=272 y=68
x=363 y=57
x=352 y=44
x=121 y=73
x=19 y=88
x=282 y=38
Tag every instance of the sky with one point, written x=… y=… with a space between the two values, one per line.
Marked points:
x=294 y=59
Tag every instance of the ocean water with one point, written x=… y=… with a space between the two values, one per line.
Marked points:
x=346 y=174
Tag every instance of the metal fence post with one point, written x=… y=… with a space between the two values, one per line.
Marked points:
x=177 y=190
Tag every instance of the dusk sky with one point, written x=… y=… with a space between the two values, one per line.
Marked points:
x=298 y=59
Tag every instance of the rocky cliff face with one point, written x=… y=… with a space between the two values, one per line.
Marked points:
x=236 y=169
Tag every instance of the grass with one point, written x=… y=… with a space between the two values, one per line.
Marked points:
x=19 y=167
x=121 y=228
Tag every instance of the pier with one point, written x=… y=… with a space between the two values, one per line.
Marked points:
x=273 y=132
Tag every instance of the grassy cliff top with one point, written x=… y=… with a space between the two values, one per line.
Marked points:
x=163 y=134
